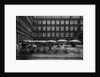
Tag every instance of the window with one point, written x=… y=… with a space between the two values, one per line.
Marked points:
x=57 y=22
x=57 y=28
x=67 y=34
x=53 y=34
x=39 y=21
x=53 y=22
x=62 y=22
x=71 y=28
x=71 y=22
x=81 y=28
x=48 y=22
x=48 y=28
x=81 y=22
x=66 y=22
x=53 y=28
x=39 y=28
x=75 y=22
x=62 y=28
x=39 y=34
x=57 y=34
x=35 y=28
x=34 y=34
x=67 y=28
x=44 y=28
x=48 y=34
x=62 y=34
x=71 y=34
x=44 y=34
x=44 y=22
x=75 y=28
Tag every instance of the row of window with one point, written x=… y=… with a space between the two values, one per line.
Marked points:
x=57 y=22
x=57 y=28
x=53 y=34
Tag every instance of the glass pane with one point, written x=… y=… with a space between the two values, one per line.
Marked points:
x=66 y=22
x=39 y=21
x=62 y=34
x=62 y=28
x=62 y=22
x=71 y=28
x=53 y=22
x=48 y=28
x=44 y=34
x=48 y=34
x=39 y=28
x=34 y=34
x=71 y=22
x=48 y=22
x=44 y=22
x=75 y=28
x=57 y=34
x=57 y=22
x=81 y=22
x=67 y=34
x=53 y=28
x=81 y=28
x=53 y=34
x=35 y=28
x=75 y=22
x=67 y=28
x=44 y=28
x=57 y=28
x=39 y=34
x=71 y=34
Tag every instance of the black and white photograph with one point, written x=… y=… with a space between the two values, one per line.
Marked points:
x=49 y=37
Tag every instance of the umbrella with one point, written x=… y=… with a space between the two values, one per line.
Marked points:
x=51 y=41
x=62 y=40
x=75 y=41
x=42 y=41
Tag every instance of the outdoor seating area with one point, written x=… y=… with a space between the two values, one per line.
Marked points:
x=49 y=47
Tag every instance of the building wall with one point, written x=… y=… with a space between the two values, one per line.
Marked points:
x=48 y=27
x=57 y=28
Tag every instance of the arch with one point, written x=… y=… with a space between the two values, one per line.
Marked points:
x=80 y=36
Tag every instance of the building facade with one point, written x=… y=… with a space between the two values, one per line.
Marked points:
x=49 y=27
